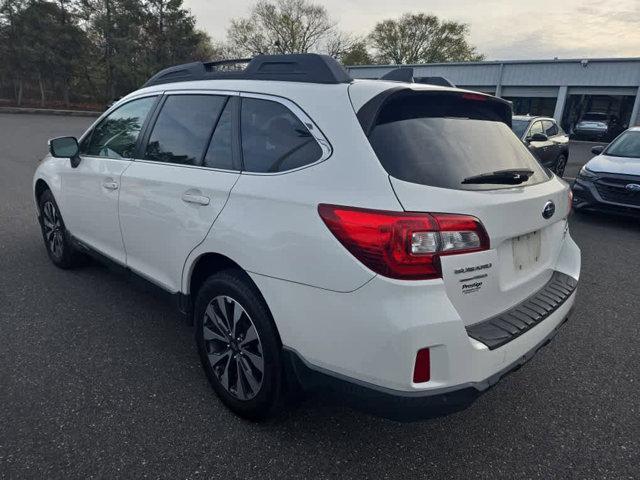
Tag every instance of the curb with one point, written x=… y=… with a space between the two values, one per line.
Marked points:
x=46 y=111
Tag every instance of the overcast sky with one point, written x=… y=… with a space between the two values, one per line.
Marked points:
x=501 y=29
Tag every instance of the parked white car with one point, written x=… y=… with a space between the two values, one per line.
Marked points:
x=391 y=240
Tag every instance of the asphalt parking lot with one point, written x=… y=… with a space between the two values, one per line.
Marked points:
x=99 y=378
x=579 y=154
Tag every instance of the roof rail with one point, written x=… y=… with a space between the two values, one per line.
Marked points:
x=405 y=74
x=302 y=67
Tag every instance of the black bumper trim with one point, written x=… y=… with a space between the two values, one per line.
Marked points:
x=501 y=329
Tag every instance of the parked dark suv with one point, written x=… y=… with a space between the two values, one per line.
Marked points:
x=546 y=140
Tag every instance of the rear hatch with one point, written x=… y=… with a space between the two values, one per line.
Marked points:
x=436 y=147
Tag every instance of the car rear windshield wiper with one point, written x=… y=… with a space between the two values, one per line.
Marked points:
x=507 y=177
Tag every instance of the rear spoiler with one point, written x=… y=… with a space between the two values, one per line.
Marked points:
x=496 y=107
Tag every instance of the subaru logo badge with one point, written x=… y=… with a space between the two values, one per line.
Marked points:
x=549 y=209
x=632 y=187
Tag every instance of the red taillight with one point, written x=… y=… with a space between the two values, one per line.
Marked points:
x=404 y=245
x=422 y=368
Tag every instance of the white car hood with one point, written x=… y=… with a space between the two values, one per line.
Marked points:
x=621 y=165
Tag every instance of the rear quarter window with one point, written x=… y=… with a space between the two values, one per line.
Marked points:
x=550 y=128
x=274 y=139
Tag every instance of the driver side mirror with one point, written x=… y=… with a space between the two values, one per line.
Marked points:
x=538 y=137
x=597 y=150
x=65 y=147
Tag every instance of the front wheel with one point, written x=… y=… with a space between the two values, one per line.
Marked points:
x=56 y=237
x=561 y=164
x=238 y=345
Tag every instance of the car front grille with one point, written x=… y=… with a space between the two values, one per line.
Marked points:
x=614 y=190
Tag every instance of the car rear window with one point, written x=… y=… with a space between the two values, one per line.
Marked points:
x=440 y=139
x=600 y=117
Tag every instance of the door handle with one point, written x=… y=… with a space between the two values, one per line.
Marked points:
x=110 y=184
x=195 y=197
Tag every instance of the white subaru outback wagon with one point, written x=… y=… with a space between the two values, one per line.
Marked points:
x=390 y=241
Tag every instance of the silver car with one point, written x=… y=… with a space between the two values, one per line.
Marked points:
x=597 y=126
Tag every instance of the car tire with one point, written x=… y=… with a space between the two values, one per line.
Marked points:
x=561 y=164
x=239 y=345
x=57 y=239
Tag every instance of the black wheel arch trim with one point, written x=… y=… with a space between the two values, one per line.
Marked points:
x=39 y=188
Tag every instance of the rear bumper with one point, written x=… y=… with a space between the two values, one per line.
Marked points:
x=594 y=132
x=364 y=342
x=398 y=405
x=497 y=331
x=586 y=197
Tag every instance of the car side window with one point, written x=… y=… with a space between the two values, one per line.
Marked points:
x=183 y=127
x=220 y=151
x=550 y=128
x=274 y=139
x=535 y=128
x=116 y=135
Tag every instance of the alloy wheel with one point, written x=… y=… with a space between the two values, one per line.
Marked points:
x=53 y=229
x=233 y=347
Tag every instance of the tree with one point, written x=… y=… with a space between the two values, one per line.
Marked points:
x=421 y=38
x=170 y=32
x=136 y=38
x=284 y=26
x=356 y=54
x=115 y=28
x=217 y=50
x=41 y=45
x=12 y=66
x=339 y=44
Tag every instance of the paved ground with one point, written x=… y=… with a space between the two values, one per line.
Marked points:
x=579 y=154
x=100 y=379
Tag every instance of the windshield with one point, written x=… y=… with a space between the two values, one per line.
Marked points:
x=441 y=140
x=519 y=127
x=626 y=145
x=597 y=117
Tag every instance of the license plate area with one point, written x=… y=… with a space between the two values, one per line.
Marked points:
x=526 y=250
